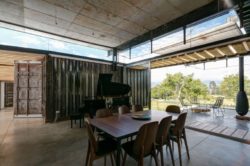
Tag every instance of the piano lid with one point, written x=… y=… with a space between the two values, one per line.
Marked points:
x=110 y=89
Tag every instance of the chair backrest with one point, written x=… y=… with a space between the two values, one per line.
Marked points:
x=145 y=139
x=163 y=129
x=91 y=137
x=179 y=124
x=173 y=109
x=102 y=113
x=137 y=108
x=123 y=109
x=182 y=102
x=219 y=101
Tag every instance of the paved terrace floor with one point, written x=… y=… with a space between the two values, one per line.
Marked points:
x=30 y=142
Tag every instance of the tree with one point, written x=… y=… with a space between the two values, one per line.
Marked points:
x=212 y=87
x=230 y=85
x=180 y=86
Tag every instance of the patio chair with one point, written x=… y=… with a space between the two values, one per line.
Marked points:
x=143 y=145
x=177 y=132
x=162 y=138
x=123 y=109
x=173 y=109
x=217 y=106
x=137 y=108
x=184 y=105
x=98 y=149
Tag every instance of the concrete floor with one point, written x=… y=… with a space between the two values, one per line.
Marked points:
x=30 y=142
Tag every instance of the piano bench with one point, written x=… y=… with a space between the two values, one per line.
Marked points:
x=76 y=116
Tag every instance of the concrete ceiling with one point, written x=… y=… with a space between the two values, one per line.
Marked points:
x=104 y=22
x=7 y=60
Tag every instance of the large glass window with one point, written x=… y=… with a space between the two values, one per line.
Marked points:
x=196 y=84
x=212 y=29
x=21 y=39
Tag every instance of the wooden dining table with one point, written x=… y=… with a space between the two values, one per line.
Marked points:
x=122 y=126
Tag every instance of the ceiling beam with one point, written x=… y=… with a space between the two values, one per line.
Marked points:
x=209 y=53
x=189 y=18
x=220 y=51
x=199 y=55
x=246 y=46
x=232 y=49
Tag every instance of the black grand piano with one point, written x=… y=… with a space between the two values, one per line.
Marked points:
x=109 y=94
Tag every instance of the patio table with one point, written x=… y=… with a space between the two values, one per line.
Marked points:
x=200 y=109
x=124 y=126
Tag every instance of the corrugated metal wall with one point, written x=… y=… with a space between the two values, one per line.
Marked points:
x=139 y=80
x=70 y=81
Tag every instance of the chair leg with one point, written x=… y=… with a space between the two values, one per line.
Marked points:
x=87 y=156
x=105 y=160
x=140 y=161
x=179 y=150
x=111 y=158
x=171 y=153
x=185 y=141
x=124 y=159
x=161 y=153
x=154 y=155
x=91 y=160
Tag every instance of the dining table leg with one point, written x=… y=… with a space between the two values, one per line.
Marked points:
x=118 y=156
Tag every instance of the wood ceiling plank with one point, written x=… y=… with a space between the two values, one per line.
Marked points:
x=220 y=51
x=247 y=48
x=131 y=27
x=91 y=39
x=51 y=9
x=46 y=19
x=200 y=56
x=100 y=14
x=95 y=34
x=209 y=54
x=72 y=5
x=239 y=47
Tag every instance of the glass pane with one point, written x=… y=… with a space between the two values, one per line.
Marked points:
x=21 y=39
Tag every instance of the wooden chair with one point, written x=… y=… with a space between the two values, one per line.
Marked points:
x=162 y=138
x=123 y=109
x=98 y=149
x=143 y=145
x=103 y=112
x=137 y=108
x=173 y=109
x=177 y=132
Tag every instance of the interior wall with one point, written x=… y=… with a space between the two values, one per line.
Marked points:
x=139 y=80
x=69 y=82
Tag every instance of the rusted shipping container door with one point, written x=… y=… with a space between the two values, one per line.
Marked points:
x=28 y=88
